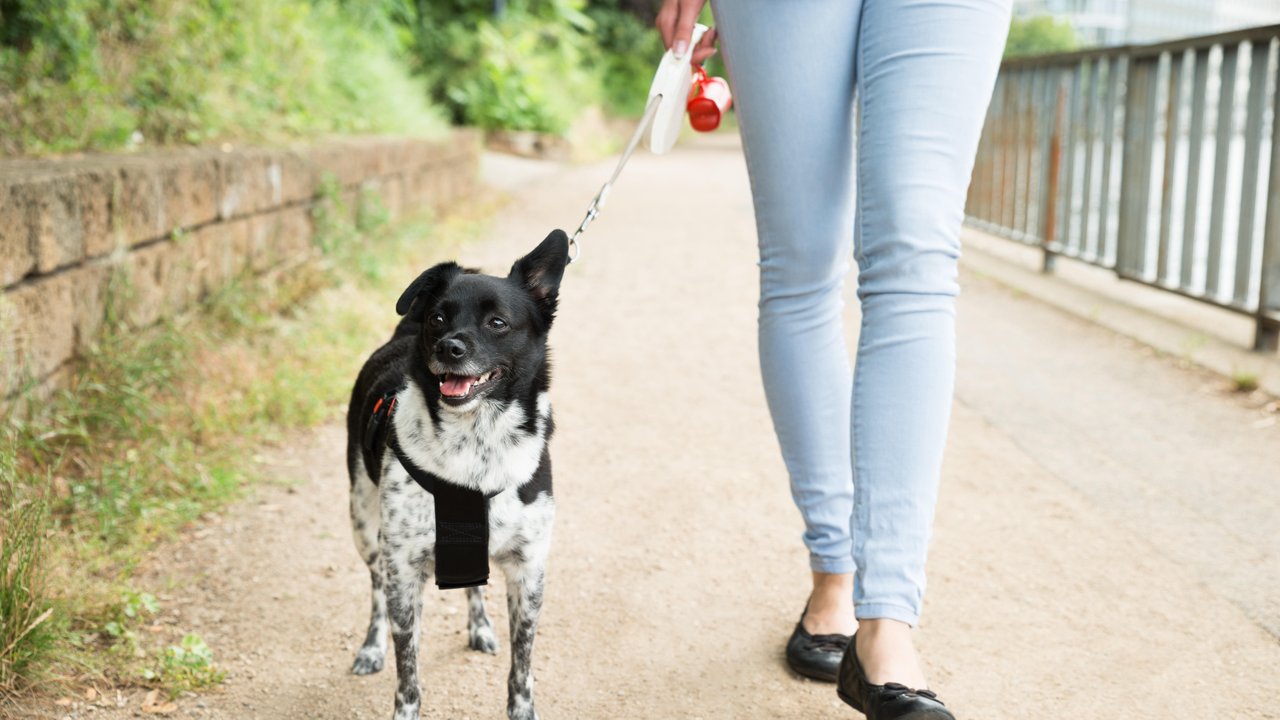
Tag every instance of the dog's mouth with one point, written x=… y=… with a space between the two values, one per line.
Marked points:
x=457 y=389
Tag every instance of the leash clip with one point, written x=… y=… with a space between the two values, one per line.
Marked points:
x=597 y=204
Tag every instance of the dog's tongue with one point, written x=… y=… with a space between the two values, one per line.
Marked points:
x=457 y=385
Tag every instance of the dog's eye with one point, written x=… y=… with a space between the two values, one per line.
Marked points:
x=498 y=323
x=437 y=320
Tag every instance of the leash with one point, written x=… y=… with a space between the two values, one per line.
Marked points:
x=669 y=99
x=597 y=204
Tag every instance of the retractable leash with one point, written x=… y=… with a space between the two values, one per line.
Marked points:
x=672 y=93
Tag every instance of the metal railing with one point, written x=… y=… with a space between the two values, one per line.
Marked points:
x=1160 y=162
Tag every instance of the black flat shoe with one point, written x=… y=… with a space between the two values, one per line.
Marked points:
x=815 y=656
x=890 y=701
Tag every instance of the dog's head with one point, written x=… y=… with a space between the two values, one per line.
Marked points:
x=485 y=336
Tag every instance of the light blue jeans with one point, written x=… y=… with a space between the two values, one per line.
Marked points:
x=864 y=474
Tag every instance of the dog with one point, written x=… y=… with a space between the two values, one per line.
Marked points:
x=460 y=392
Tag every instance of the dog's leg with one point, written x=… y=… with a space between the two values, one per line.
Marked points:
x=404 y=605
x=365 y=521
x=524 y=602
x=479 y=628
x=408 y=540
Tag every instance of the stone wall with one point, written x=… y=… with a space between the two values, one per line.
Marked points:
x=179 y=225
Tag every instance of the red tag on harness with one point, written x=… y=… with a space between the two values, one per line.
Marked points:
x=375 y=429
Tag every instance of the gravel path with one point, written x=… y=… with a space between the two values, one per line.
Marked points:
x=1105 y=543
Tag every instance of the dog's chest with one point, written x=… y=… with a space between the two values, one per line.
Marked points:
x=489 y=448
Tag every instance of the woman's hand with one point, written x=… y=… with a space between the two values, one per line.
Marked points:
x=675 y=24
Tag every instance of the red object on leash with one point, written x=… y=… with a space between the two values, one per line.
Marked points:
x=709 y=100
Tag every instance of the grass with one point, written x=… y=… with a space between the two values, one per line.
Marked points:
x=159 y=426
x=1244 y=382
x=112 y=74
x=25 y=632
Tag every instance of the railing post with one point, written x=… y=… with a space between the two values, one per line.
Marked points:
x=1267 y=333
x=1135 y=172
x=1114 y=63
x=1049 y=224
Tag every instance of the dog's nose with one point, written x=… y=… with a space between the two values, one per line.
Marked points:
x=452 y=347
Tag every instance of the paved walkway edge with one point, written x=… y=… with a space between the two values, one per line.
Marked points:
x=1002 y=261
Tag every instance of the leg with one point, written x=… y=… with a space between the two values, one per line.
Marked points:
x=404 y=605
x=524 y=603
x=792 y=66
x=365 y=521
x=408 y=538
x=480 y=632
x=926 y=72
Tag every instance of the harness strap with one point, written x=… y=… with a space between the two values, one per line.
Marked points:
x=462 y=514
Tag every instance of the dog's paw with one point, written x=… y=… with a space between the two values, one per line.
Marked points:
x=368 y=661
x=483 y=639
x=407 y=712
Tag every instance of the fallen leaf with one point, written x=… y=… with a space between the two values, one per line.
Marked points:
x=91 y=694
x=151 y=707
x=62 y=701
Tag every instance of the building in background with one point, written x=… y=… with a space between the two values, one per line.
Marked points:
x=1116 y=22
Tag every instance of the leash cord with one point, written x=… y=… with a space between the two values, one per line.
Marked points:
x=598 y=203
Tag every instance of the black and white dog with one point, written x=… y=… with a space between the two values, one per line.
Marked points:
x=462 y=388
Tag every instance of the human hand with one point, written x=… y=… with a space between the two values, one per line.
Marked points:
x=675 y=24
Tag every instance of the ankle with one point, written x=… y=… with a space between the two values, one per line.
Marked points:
x=887 y=653
x=830 y=606
x=883 y=630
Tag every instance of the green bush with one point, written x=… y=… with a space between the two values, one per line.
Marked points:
x=629 y=53
x=517 y=74
x=530 y=68
x=100 y=74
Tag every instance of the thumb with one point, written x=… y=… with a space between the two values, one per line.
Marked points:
x=685 y=20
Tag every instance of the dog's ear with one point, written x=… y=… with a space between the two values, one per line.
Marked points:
x=423 y=291
x=540 y=271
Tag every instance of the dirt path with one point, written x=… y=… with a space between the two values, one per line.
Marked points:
x=1105 y=544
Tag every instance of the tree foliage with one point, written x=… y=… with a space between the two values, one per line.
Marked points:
x=1040 y=35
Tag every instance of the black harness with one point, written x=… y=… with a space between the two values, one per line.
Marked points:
x=462 y=514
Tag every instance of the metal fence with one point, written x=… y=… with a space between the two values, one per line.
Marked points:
x=1160 y=162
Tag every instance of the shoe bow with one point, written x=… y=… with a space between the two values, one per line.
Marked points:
x=893 y=691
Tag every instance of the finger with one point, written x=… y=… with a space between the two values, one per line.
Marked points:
x=706 y=47
x=685 y=21
x=666 y=22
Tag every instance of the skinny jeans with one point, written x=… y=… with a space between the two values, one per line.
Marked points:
x=860 y=120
